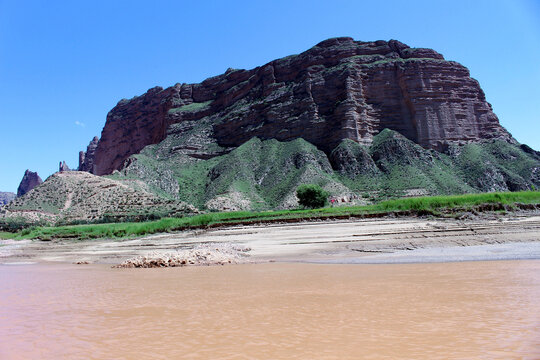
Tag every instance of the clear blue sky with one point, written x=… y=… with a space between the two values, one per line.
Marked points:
x=65 y=64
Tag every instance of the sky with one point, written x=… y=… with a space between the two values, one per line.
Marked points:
x=65 y=64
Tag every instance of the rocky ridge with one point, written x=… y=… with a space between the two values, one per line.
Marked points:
x=62 y=166
x=264 y=174
x=75 y=196
x=339 y=89
x=29 y=181
x=86 y=158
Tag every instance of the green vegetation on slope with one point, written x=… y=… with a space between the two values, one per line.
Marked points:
x=402 y=166
x=397 y=166
x=190 y=167
x=267 y=173
x=193 y=107
x=496 y=166
x=264 y=174
x=418 y=205
x=257 y=175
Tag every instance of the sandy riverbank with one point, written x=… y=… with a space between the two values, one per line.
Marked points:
x=383 y=240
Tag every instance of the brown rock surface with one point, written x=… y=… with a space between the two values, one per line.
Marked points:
x=29 y=181
x=86 y=158
x=339 y=89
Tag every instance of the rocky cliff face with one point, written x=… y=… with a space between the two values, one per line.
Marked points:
x=339 y=89
x=29 y=181
x=86 y=158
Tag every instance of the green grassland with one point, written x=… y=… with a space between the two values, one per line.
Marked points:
x=434 y=205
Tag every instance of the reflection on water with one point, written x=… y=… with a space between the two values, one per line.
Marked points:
x=468 y=310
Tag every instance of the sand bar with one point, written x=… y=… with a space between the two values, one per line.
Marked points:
x=385 y=240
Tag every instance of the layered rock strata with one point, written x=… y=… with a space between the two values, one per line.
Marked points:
x=339 y=89
x=29 y=181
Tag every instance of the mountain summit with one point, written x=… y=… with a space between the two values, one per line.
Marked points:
x=339 y=89
x=364 y=120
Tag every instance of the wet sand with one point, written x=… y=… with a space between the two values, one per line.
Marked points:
x=386 y=240
x=470 y=310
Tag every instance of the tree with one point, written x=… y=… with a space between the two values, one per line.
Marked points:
x=312 y=196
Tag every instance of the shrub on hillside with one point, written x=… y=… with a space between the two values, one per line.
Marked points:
x=312 y=196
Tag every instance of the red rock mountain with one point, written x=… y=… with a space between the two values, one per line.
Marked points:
x=339 y=89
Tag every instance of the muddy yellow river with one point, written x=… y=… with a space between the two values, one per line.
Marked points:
x=469 y=310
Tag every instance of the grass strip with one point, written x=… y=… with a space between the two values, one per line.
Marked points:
x=416 y=205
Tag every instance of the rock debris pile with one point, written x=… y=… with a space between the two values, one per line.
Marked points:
x=217 y=255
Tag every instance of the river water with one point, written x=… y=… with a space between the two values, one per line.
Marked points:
x=469 y=310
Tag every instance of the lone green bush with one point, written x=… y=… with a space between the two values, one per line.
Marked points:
x=312 y=196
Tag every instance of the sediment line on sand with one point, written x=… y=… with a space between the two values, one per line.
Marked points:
x=324 y=241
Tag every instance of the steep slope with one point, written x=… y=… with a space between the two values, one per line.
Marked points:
x=86 y=158
x=29 y=181
x=256 y=175
x=497 y=166
x=339 y=89
x=265 y=174
x=75 y=196
x=398 y=167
